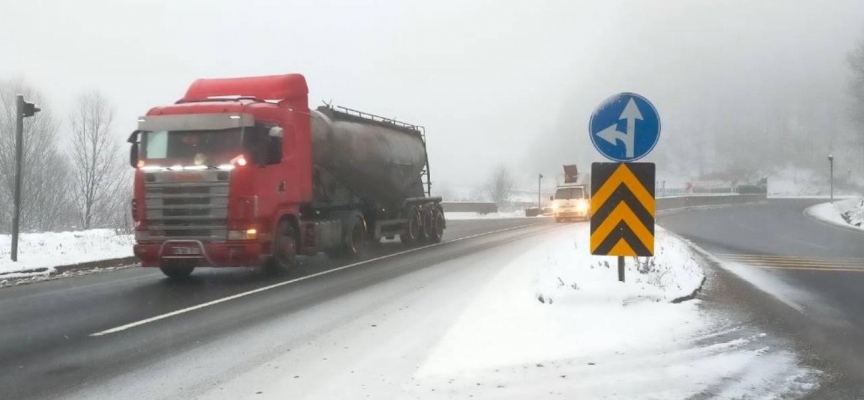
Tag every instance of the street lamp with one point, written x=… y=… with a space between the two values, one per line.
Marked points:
x=23 y=109
x=539 y=195
x=831 y=166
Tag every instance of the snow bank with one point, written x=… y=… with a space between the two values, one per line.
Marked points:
x=556 y=320
x=496 y=215
x=845 y=213
x=792 y=181
x=39 y=253
x=558 y=300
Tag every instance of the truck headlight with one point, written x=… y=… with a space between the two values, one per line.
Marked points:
x=249 y=234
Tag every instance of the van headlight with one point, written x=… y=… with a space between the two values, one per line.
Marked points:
x=582 y=206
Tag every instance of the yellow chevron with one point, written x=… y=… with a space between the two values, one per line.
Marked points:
x=622 y=249
x=623 y=175
x=622 y=212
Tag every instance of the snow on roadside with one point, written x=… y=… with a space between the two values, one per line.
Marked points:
x=556 y=320
x=495 y=215
x=40 y=253
x=847 y=213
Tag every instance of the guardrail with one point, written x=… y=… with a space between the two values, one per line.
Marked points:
x=460 y=206
x=671 y=203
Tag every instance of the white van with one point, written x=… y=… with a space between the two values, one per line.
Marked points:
x=571 y=202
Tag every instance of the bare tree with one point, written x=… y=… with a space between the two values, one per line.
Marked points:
x=44 y=204
x=500 y=187
x=98 y=171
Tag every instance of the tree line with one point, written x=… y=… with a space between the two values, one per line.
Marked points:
x=74 y=172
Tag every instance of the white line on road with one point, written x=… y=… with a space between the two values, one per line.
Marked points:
x=276 y=285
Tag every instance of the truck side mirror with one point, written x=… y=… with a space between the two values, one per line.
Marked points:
x=133 y=155
x=551 y=198
x=274 y=147
x=133 y=150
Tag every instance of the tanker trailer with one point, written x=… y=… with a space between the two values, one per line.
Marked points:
x=240 y=172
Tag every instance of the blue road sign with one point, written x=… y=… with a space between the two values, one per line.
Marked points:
x=625 y=127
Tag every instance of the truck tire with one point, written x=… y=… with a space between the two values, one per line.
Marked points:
x=355 y=238
x=284 y=257
x=180 y=272
x=411 y=233
x=438 y=224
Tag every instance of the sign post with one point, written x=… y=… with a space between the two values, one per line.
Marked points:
x=624 y=128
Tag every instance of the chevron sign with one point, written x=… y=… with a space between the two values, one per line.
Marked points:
x=622 y=209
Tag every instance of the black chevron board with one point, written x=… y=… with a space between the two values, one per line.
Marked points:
x=622 y=209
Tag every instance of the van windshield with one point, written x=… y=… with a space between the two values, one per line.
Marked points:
x=569 y=193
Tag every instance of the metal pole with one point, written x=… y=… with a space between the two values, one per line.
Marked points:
x=831 y=162
x=539 y=195
x=620 y=269
x=19 y=137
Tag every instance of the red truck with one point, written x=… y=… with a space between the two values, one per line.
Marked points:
x=241 y=172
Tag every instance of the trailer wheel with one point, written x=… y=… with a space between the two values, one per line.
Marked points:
x=411 y=233
x=355 y=239
x=284 y=257
x=437 y=225
x=178 y=272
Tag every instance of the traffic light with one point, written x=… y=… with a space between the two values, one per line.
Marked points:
x=30 y=109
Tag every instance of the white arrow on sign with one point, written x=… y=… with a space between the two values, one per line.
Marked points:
x=611 y=134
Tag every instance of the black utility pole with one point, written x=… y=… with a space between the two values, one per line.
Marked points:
x=23 y=109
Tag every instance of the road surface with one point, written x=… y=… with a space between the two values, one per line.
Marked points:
x=134 y=333
x=815 y=270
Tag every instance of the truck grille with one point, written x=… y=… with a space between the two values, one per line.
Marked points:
x=187 y=205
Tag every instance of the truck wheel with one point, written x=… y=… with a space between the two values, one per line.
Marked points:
x=437 y=226
x=355 y=239
x=181 y=272
x=411 y=233
x=284 y=257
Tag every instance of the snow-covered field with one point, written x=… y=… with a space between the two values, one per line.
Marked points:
x=556 y=322
x=846 y=212
x=39 y=253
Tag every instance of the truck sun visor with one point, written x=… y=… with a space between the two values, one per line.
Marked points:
x=188 y=122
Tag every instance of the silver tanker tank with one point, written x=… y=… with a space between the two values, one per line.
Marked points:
x=377 y=160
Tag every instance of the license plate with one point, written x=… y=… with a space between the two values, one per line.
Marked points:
x=187 y=251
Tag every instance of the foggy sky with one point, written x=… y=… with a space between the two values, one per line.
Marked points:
x=494 y=82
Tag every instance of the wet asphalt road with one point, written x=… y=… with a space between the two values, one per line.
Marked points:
x=796 y=275
x=47 y=347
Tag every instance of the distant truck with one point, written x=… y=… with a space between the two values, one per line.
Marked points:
x=240 y=172
x=571 y=200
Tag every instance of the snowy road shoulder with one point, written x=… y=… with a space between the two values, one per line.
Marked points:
x=847 y=213
x=556 y=319
x=40 y=253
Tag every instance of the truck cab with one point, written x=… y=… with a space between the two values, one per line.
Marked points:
x=571 y=202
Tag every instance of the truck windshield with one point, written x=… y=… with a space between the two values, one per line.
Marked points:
x=193 y=147
x=569 y=193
